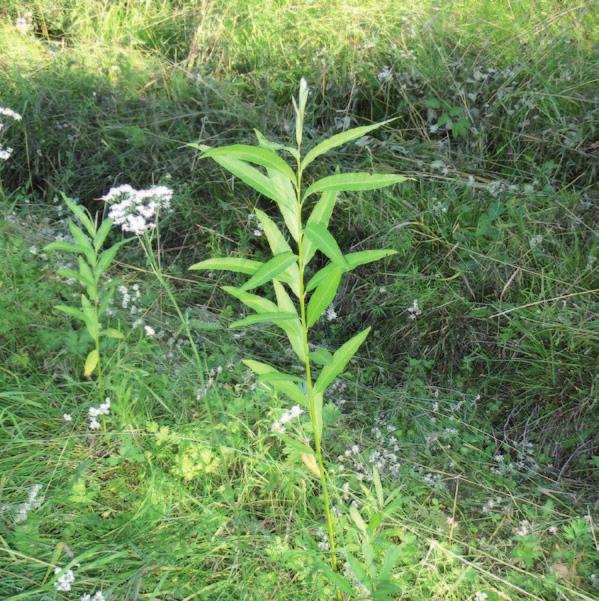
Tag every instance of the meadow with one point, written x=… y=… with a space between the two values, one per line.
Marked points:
x=422 y=427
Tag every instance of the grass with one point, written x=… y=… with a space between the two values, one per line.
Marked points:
x=490 y=393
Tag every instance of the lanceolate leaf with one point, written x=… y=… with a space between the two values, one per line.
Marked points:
x=289 y=209
x=251 y=320
x=279 y=245
x=265 y=143
x=293 y=329
x=238 y=264
x=90 y=317
x=63 y=246
x=367 y=256
x=273 y=234
x=253 y=301
x=259 y=155
x=81 y=215
x=286 y=387
x=270 y=270
x=91 y=363
x=102 y=233
x=107 y=257
x=322 y=239
x=83 y=242
x=339 y=140
x=353 y=260
x=323 y=296
x=320 y=276
x=340 y=359
x=251 y=176
x=321 y=213
x=70 y=311
x=347 y=182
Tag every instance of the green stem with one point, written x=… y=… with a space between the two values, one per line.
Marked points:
x=309 y=385
x=184 y=322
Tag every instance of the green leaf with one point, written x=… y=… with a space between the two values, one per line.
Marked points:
x=321 y=213
x=93 y=358
x=253 y=301
x=340 y=359
x=363 y=257
x=112 y=333
x=353 y=260
x=90 y=317
x=63 y=246
x=321 y=356
x=339 y=140
x=251 y=320
x=75 y=275
x=322 y=239
x=237 y=264
x=102 y=233
x=279 y=377
x=265 y=143
x=70 y=311
x=108 y=256
x=318 y=403
x=300 y=109
x=86 y=273
x=83 y=242
x=293 y=330
x=205 y=326
x=290 y=208
x=251 y=176
x=287 y=387
x=81 y=215
x=349 y=182
x=258 y=155
x=323 y=296
x=320 y=276
x=270 y=270
x=279 y=245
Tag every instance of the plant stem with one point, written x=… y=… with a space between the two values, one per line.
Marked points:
x=309 y=385
x=156 y=270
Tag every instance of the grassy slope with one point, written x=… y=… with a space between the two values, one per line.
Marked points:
x=116 y=99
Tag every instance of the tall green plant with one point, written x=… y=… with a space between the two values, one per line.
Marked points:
x=92 y=262
x=288 y=267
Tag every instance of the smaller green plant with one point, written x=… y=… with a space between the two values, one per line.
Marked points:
x=450 y=117
x=92 y=263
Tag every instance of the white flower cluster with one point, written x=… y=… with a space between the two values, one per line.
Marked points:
x=95 y=412
x=97 y=596
x=523 y=529
x=136 y=210
x=480 y=596
x=34 y=501
x=279 y=425
x=6 y=152
x=415 y=310
x=65 y=580
x=24 y=23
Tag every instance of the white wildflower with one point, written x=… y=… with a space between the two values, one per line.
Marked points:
x=64 y=582
x=67 y=417
x=10 y=113
x=414 y=310
x=279 y=425
x=149 y=330
x=481 y=596
x=523 y=529
x=331 y=314
x=386 y=74
x=136 y=210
